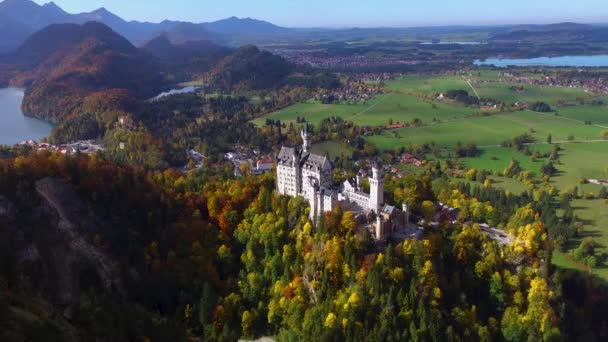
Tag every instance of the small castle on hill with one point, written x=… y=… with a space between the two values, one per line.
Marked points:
x=303 y=173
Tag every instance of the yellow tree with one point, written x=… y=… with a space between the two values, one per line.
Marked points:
x=428 y=210
x=347 y=222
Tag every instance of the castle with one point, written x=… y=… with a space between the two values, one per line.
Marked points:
x=303 y=173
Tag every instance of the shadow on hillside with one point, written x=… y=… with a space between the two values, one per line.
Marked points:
x=584 y=314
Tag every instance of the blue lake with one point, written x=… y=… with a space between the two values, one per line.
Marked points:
x=452 y=43
x=14 y=126
x=563 y=61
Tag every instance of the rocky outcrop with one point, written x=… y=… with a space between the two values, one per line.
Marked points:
x=7 y=209
x=71 y=250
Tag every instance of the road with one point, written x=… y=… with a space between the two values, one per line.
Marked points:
x=474 y=90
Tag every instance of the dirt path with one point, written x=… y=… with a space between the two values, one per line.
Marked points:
x=370 y=107
x=474 y=90
x=571 y=119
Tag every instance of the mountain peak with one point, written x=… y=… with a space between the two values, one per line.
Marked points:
x=52 y=6
x=102 y=14
x=243 y=26
x=17 y=1
x=101 y=10
x=19 y=4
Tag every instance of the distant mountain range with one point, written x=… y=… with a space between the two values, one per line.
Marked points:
x=21 y=18
x=561 y=32
x=65 y=66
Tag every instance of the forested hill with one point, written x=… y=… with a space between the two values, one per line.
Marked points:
x=62 y=64
x=249 y=68
x=94 y=251
x=564 y=32
x=188 y=60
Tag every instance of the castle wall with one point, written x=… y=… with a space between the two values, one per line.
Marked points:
x=287 y=180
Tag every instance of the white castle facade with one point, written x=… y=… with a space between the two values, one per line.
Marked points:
x=303 y=173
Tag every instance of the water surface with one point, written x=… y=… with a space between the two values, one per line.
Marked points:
x=563 y=61
x=452 y=43
x=14 y=126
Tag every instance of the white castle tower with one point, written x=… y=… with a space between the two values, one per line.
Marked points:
x=379 y=228
x=376 y=189
x=307 y=139
x=406 y=213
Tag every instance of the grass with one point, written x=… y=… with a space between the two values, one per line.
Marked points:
x=533 y=93
x=377 y=112
x=594 y=215
x=581 y=161
x=596 y=114
x=428 y=84
x=497 y=159
x=486 y=131
x=565 y=262
x=508 y=184
x=332 y=149
x=499 y=91
x=313 y=111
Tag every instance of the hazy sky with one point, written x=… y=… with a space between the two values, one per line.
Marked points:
x=363 y=13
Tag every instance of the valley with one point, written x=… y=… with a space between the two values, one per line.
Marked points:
x=233 y=179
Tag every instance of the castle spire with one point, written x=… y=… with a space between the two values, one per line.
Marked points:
x=307 y=139
x=376 y=183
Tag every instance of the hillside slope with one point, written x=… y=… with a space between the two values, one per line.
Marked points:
x=187 y=61
x=63 y=63
x=250 y=68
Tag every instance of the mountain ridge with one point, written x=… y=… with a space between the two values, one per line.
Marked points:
x=21 y=18
x=64 y=63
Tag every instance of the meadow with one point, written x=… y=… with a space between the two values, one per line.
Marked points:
x=597 y=115
x=377 y=112
x=594 y=215
x=428 y=84
x=332 y=149
x=579 y=161
x=488 y=131
x=500 y=91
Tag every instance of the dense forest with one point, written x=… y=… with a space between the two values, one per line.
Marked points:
x=92 y=250
x=62 y=64
x=248 y=68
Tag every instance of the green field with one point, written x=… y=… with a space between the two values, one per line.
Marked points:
x=497 y=159
x=487 y=86
x=594 y=214
x=508 y=184
x=428 y=84
x=377 y=112
x=314 y=111
x=486 y=131
x=582 y=161
x=596 y=114
x=551 y=95
x=332 y=149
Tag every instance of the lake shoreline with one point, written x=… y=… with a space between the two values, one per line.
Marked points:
x=571 y=61
x=16 y=126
